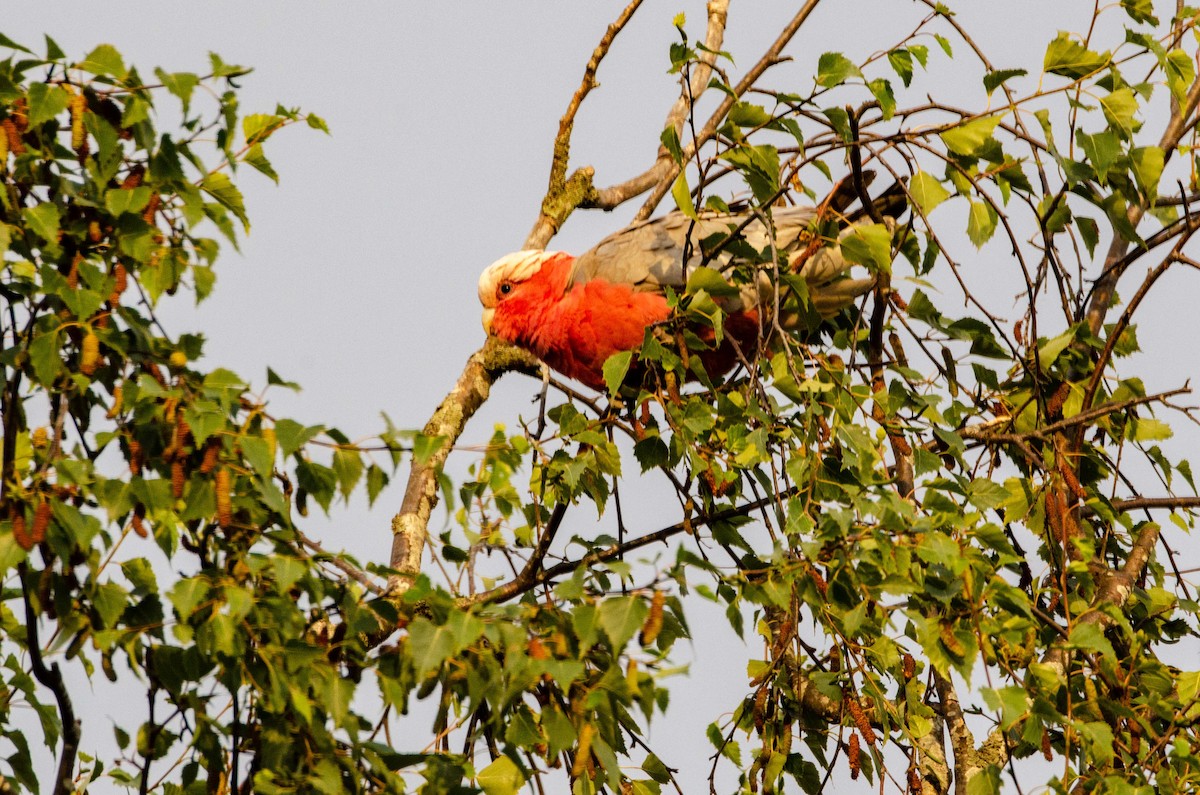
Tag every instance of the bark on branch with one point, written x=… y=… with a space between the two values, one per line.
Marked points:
x=410 y=525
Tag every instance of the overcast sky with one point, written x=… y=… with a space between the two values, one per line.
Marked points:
x=358 y=279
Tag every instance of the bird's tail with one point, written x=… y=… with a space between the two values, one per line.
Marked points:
x=831 y=287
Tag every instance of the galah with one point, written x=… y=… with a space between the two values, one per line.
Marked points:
x=575 y=312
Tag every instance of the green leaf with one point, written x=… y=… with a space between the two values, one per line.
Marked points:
x=1147 y=164
x=44 y=221
x=291 y=435
x=1049 y=350
x=1151 y=430
x=993 y=80
x=870 y=245
x=46 y=357
x=683 y=196
x=981 y=223
x=881 y=89
x=124 y=200
x=615 y=369
x=834 y=68
x=1101 y=151
x=1119 y=108
x=501 y=777
x=105 y=61
x=670 y=141
x=710 y=281
x=46 y=102
x=181 y=84
x=620 y=617
x=258 y=127
x=1067 y=57
x=221 y=187
x=927 y=191
x=1140 y=11
x=969 y=137
x=902 y=64
x=759 y=166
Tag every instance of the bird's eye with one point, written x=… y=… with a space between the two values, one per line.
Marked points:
x=506 y=288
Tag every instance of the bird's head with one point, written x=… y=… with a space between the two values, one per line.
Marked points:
x=507 y=276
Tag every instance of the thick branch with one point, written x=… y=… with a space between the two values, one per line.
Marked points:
x=474 y=385
x=962 y=742
x=51 y=677
x=1106 y=285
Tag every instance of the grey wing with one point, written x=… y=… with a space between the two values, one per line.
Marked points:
x=649 y=254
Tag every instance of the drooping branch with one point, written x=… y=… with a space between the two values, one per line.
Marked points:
x=473 y=387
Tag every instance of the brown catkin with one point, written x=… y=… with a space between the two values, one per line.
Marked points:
x=137 y=521
x=152 y=370
x=152 y=208
x=120 y=282
x=536 y=649
x=1072 y=482
x=1054 y=405
x=654 y=619
x=1047 y=751
x=583 y=751
x=178 y=478
x=40 y=437
x=73 y=273
x=914 y=780
x=859 y=716
x=135 y=457
x=41 y=520
x=13 y=137
x=760 y=709
x=78 y=133
x=20 y=114
x=93 y=232
x=182 y=432
x=89 y=354
x=224 y=498
x=212 y=452
x=897 y=349
x=1018 y=333
x=134 y=178
x=910 y=667
x=854 y=753
x=818 y=580
x=20 y=529
x=118 y=398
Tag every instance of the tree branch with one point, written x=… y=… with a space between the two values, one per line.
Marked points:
x=409 y=526
x=1106 y=285
x=668 y=168
x=52 y=678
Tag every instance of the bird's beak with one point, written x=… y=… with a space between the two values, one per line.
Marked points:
x=487 y=320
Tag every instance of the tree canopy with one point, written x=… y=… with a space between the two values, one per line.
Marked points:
x=945 y=520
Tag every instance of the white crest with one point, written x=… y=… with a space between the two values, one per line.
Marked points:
x=515 y=267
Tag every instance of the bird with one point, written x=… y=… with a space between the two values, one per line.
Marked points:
x=573 y=313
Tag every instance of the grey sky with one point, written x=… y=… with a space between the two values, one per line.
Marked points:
x=358 y=279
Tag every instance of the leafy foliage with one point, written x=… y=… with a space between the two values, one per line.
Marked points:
x=933 y=523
